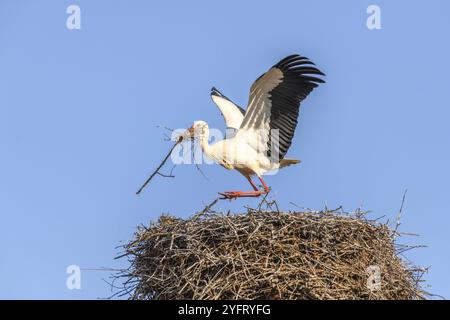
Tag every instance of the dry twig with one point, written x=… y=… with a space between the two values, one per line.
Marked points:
x=159 y=168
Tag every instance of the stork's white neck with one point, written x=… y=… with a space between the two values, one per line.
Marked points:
x=204 y=136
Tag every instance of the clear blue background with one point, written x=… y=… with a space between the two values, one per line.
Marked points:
x=79 y=112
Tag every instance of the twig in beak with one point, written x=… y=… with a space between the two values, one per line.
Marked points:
x=186 y=135
x=157 y=169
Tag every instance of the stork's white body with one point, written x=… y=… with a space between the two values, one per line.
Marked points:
x=237 y=153
x=241 y=153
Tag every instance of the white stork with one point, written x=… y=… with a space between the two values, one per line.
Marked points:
x=264 y=132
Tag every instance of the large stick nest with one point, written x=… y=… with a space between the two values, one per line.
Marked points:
x=268 y=254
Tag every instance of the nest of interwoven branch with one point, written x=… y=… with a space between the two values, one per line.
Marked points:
x=268 y=254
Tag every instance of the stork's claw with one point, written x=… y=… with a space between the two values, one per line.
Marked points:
x=240 y=194
x=228 y=195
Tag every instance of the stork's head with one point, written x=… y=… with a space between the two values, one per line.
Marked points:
x=198 y=129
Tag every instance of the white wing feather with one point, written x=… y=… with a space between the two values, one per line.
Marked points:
x=232 y=113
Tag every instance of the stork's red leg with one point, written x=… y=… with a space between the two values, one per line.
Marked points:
x=239 y=194
x=266 y=188
x=252 y=183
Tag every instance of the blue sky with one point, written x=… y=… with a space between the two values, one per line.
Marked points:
x=79 y=111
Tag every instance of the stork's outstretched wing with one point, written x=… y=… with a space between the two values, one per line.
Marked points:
x=232 y=113
x=275 y=99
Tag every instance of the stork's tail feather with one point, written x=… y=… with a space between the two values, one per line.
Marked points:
x=288 y=162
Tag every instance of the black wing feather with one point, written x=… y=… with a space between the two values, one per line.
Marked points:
x=298 y=81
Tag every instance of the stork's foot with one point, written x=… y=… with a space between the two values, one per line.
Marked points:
x=241 y=194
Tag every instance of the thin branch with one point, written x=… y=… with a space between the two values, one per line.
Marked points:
x=169 y=175
x=193 y=148
x=397 y=224
x=206 y=209
x=158 y=168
